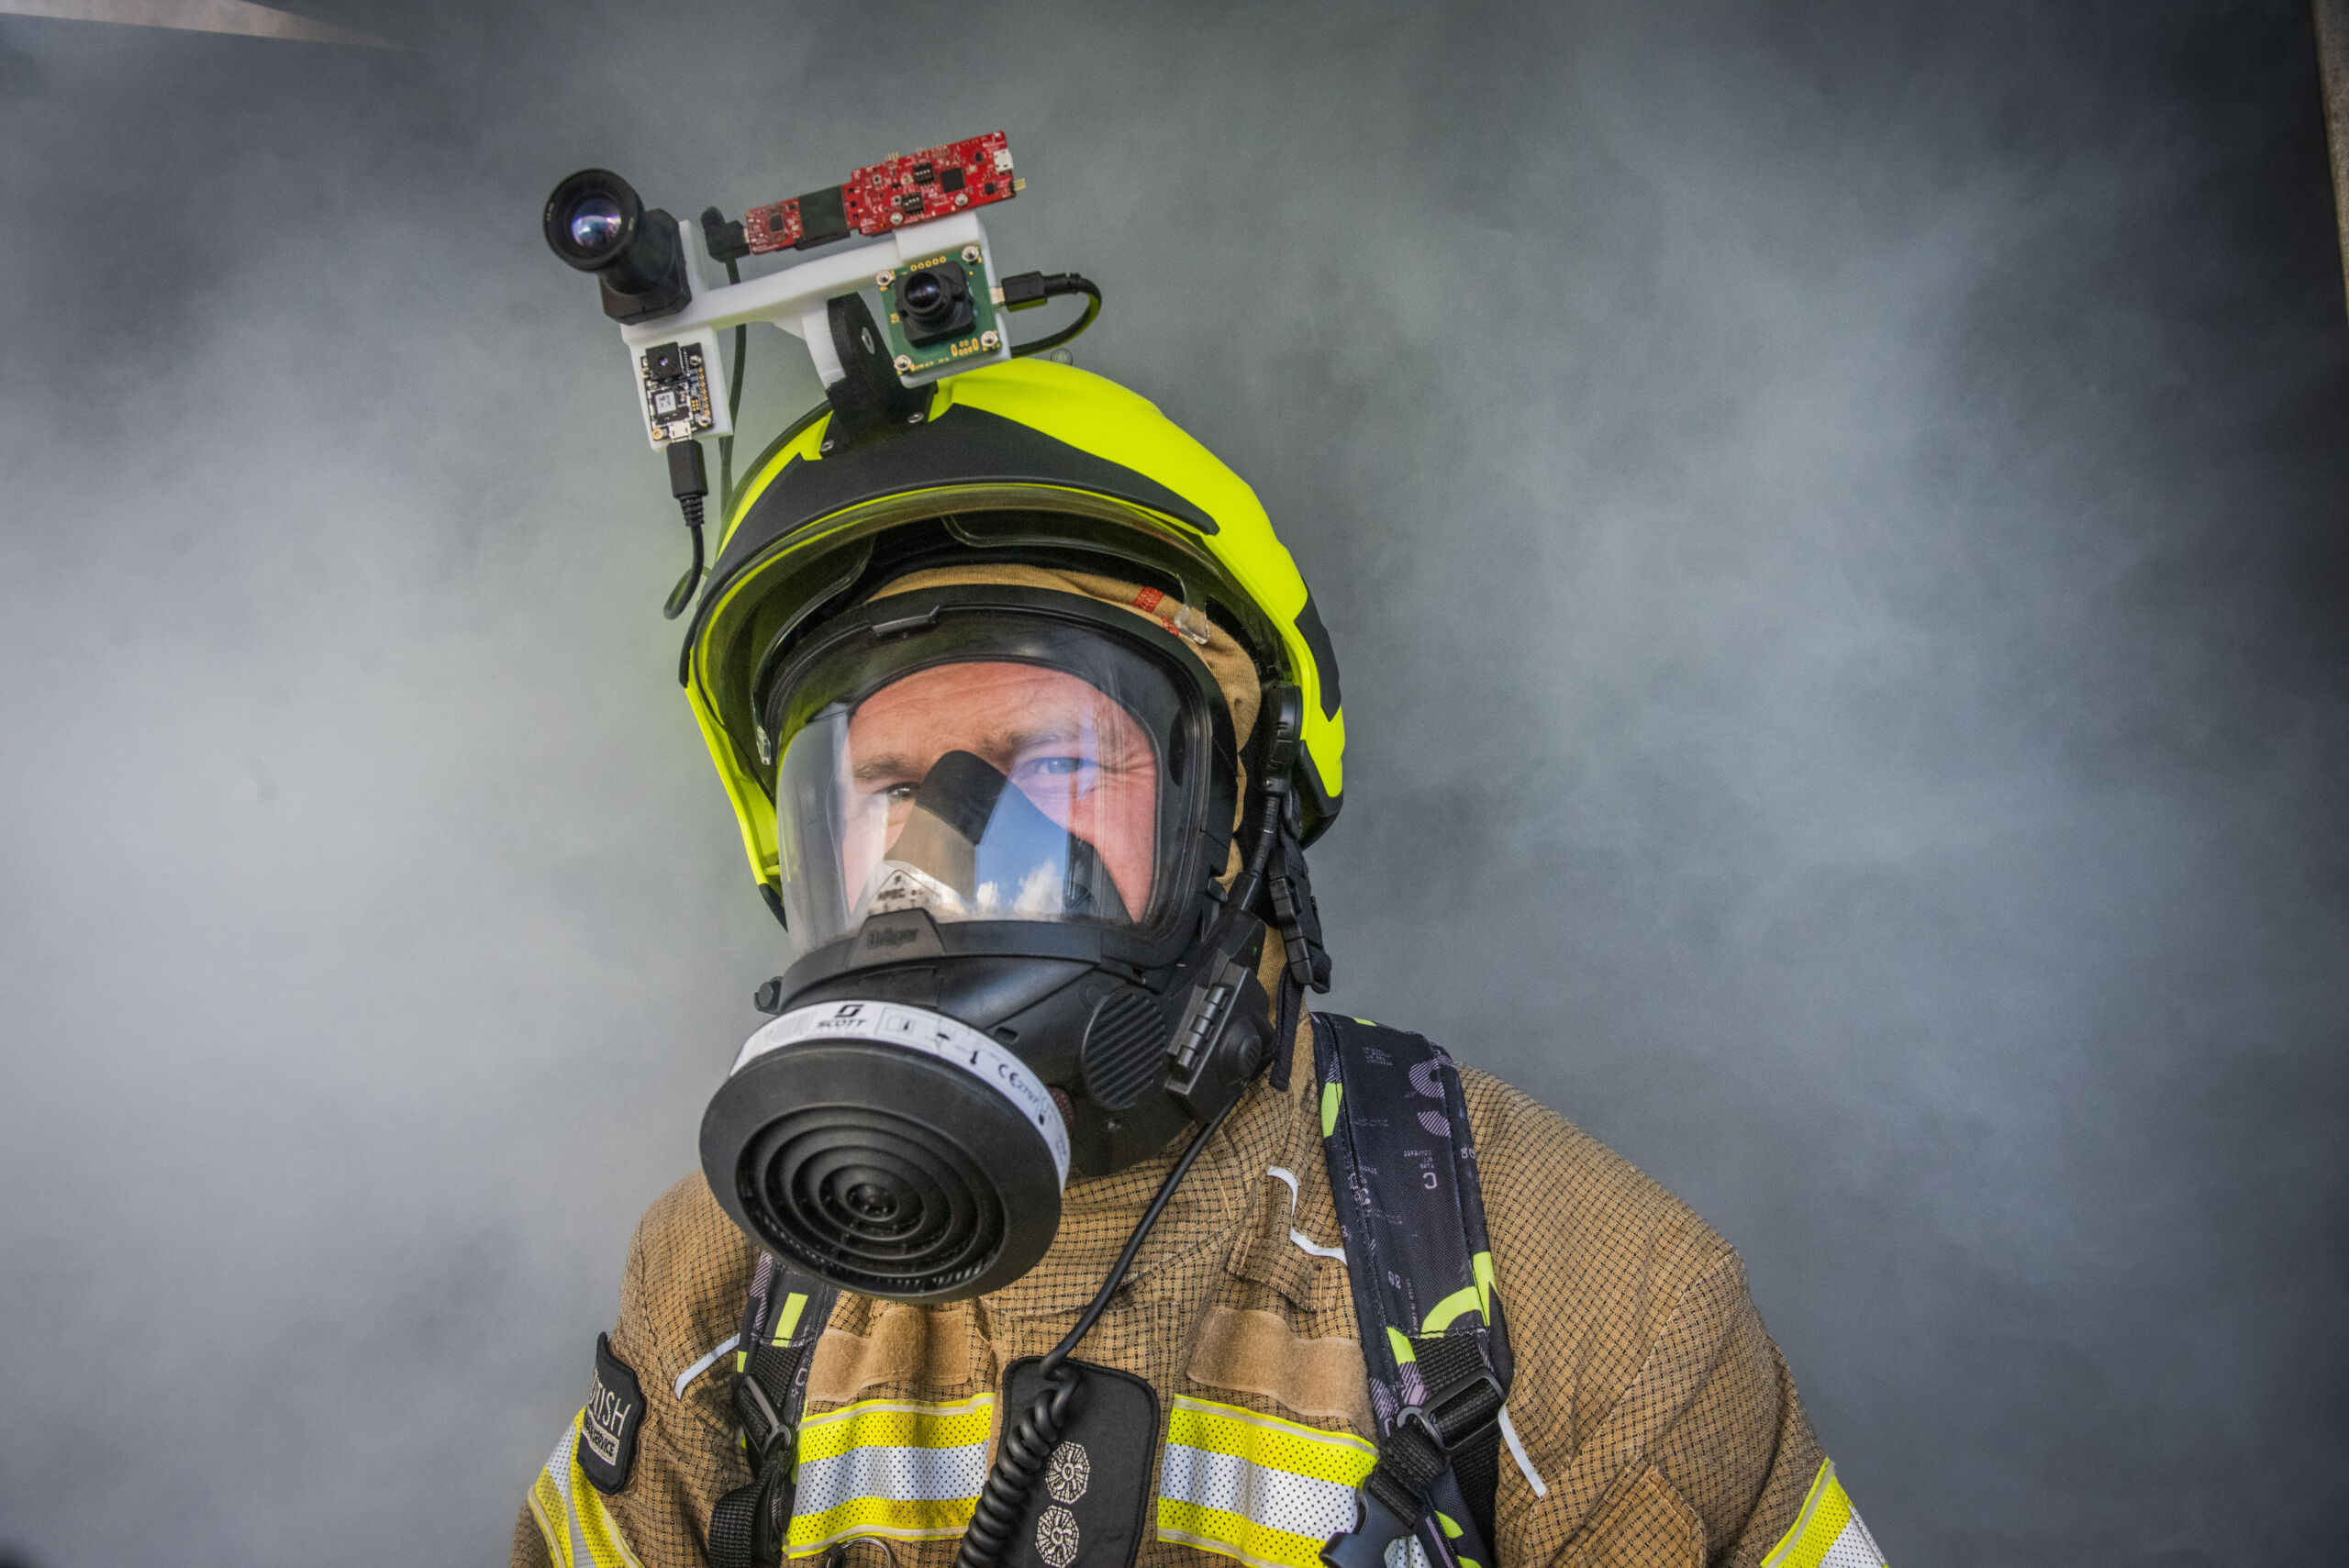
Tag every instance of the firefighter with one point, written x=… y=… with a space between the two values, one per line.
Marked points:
x=1043 y=1223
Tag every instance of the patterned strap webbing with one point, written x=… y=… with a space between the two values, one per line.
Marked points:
x=1403 y=1169
x=786 y=1313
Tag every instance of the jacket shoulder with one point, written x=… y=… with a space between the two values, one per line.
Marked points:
x=688 y=1274
x=1573 y=1215
x=1645 y=1380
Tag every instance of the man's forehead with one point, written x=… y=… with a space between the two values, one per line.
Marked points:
x=990 y=681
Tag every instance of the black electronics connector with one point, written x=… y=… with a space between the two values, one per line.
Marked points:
x=1025 y=291
x=723 y=236
x=688 y=481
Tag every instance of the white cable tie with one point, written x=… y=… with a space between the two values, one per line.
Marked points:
x=705 y=1362
x=1517 y=1452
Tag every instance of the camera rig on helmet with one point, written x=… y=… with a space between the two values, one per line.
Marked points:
x=927 y=260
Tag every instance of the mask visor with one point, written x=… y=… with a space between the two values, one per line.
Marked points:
x=990 y=770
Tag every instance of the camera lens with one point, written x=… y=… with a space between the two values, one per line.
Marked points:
x=924 y=295
x=935 y=302
x=596 y=222
x=593 y=220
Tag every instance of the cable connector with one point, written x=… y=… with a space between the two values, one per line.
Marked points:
x=687 y=477
x=1025 y=291
x=723 y=239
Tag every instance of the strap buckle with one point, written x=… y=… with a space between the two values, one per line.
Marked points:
x=1376 y=1528
x=778 y=1436
x=1461 y=1414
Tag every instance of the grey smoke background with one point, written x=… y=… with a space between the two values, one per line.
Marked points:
x=1832 y=516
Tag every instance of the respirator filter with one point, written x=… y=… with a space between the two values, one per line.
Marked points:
x=889 y=1148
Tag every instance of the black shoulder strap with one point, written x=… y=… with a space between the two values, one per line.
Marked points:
x=750 y=1525
x=1403 y=1170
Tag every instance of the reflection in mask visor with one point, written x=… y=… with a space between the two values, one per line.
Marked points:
x=973 y=846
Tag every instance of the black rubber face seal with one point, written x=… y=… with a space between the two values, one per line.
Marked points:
x=607 y=1427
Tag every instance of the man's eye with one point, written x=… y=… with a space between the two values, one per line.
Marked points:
x=899 y=794
x=1057 y=767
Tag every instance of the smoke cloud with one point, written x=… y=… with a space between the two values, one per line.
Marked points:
x=1831 y=516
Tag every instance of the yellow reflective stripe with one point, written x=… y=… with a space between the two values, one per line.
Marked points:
x=1236 y=1535
x=1400 y=1346
x=1331 y=1095
x=895 y=1423
x=1827 y=1524
x=1440 y=1316
x=1255 y=1487
x=578 y=1529
x=908 y=1470
x=546 y=1506
x=1269 y=1443
x=937 y=1520
x=1483 y=1264
x=606 y=1548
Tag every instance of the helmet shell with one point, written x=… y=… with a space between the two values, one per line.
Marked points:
x=1027 y=461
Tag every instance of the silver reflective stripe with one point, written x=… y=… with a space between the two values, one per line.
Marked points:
x=899 y=1474
x=1298 y=1504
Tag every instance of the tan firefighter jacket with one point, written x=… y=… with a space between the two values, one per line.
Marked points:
x=1652 y=1420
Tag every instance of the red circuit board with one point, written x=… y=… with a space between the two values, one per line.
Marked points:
x=912 y=187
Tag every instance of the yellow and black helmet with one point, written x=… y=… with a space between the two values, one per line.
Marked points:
x=1030 y=462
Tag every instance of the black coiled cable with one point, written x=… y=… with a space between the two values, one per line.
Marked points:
x=1011 y=1480
x=1028 y=1443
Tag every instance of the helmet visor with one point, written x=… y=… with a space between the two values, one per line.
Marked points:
x=980 y=772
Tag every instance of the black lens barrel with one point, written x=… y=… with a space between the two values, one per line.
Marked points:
x=596 y=222
x=934 y=304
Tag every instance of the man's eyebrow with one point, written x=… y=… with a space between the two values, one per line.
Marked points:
x=887 y=765
x=1006 y=741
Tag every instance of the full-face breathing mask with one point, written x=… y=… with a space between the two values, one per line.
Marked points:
x=1003 y=818
x=1004 y=812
